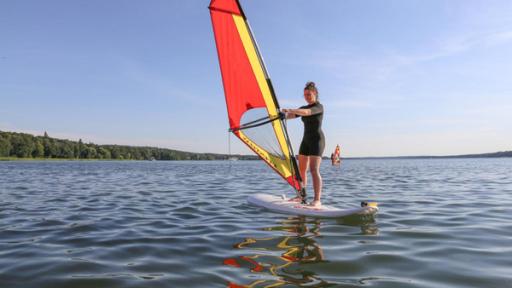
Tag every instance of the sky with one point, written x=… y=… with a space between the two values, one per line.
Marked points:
x=396 y=78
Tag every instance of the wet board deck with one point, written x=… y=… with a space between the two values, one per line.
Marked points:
x=282 y=205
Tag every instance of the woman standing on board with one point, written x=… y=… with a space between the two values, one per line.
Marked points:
x=313 y=141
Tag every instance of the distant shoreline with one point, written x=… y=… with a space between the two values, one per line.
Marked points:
x=26 y=147
x=501 y=154
x=252 y=158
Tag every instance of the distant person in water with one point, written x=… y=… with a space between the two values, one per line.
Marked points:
x=313 y=141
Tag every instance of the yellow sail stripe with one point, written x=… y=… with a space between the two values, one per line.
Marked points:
x=283 y=166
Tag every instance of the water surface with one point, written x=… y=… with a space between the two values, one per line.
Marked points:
x=442 y=223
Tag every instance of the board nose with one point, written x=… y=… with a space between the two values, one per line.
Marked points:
x=369 y=204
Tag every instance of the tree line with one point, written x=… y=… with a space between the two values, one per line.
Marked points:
x=22 y=145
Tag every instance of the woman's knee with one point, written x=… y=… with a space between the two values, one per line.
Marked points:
x=316 y=175
x=315 y=162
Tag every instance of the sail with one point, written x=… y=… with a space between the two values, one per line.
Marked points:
x=253 y=109
x=335 y=156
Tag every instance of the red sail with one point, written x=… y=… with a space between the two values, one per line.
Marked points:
x=240 y=85
x=248 y=91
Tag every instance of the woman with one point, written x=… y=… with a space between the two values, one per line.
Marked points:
x=313 y=142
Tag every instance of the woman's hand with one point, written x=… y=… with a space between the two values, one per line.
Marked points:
x=286 y=113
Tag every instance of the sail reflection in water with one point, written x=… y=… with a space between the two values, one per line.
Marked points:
x=286 y=259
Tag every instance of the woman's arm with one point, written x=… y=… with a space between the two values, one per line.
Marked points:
x=290 y=113
x=293 y=113
x=300 y=112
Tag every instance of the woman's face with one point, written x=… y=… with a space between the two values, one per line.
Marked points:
x=309 y=96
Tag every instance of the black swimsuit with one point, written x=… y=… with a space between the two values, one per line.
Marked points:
x=313 y=142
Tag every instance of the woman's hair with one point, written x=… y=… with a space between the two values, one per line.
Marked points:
x=311 y=87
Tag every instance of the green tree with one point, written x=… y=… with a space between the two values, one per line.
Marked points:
x=5 y=146
x=76 y=150
x=67 y=151
x=103 y=153
x=136 y=154
x=49 y=148
x=22 y=145
x=38 y=149
x=81 y=149
x=115 y=153
x=146 y=154
x=90 y=152
x=166 y=155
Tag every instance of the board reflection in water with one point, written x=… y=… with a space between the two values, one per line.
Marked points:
x=283 y=260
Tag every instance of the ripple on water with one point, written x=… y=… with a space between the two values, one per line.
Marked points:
x=442 y=223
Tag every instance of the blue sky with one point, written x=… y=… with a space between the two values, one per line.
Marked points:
x=395 y=77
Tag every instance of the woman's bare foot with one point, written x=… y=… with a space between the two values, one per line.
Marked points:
x=296 y=199
x=316 y=204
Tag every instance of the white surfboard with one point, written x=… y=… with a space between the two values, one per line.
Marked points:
x=283 y=205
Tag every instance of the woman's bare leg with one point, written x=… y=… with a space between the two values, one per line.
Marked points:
x=315 y=162
x=303 y=169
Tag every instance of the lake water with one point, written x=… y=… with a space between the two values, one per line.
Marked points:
x=442 y=223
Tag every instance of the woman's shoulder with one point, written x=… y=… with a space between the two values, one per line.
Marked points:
x=316 y=104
